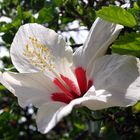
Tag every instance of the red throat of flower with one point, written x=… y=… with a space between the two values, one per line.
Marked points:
x=72 y=92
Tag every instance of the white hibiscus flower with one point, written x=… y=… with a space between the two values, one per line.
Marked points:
x=54 y=79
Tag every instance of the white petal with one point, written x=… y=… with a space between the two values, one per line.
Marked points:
x=101 y=99
x=2 y=81
x=69 y=54
x=101 y=35
x=118 y=76
x=97 y=102
x=47 y=116
x=97 y=99
x=46 y=37
x=30 y=88
x=51 y=113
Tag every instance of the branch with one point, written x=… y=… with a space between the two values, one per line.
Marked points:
x=76 y=45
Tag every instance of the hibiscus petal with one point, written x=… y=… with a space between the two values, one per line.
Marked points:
x=119 y=77
x=30 y=88
x=29 y=33
x=48 y=116
x=51 y=113
x=101 y=35
x=97 y=102
x=101 y=99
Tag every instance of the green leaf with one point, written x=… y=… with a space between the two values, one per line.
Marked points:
x=2 y=88
x=20 y=12
x=127 y=44
x=135 y=11
x=117 y=15
x=45 y=15
x=138 y=3
x=72 y=40
x=92 y=14
x=80 y=9
x=58 y=2
x=136 y=107
x=28 y=17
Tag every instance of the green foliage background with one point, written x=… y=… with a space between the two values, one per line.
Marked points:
x=108 y=124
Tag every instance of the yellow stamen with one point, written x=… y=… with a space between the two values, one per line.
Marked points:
x=39 y=55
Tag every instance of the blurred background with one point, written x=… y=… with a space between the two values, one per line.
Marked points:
x=72 y=19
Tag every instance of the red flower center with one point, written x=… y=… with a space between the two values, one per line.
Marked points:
x=71 y=92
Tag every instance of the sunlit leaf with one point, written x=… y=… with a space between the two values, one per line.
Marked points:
x=117 y=15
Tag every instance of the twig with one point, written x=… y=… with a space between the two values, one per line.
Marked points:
x=76 y=45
